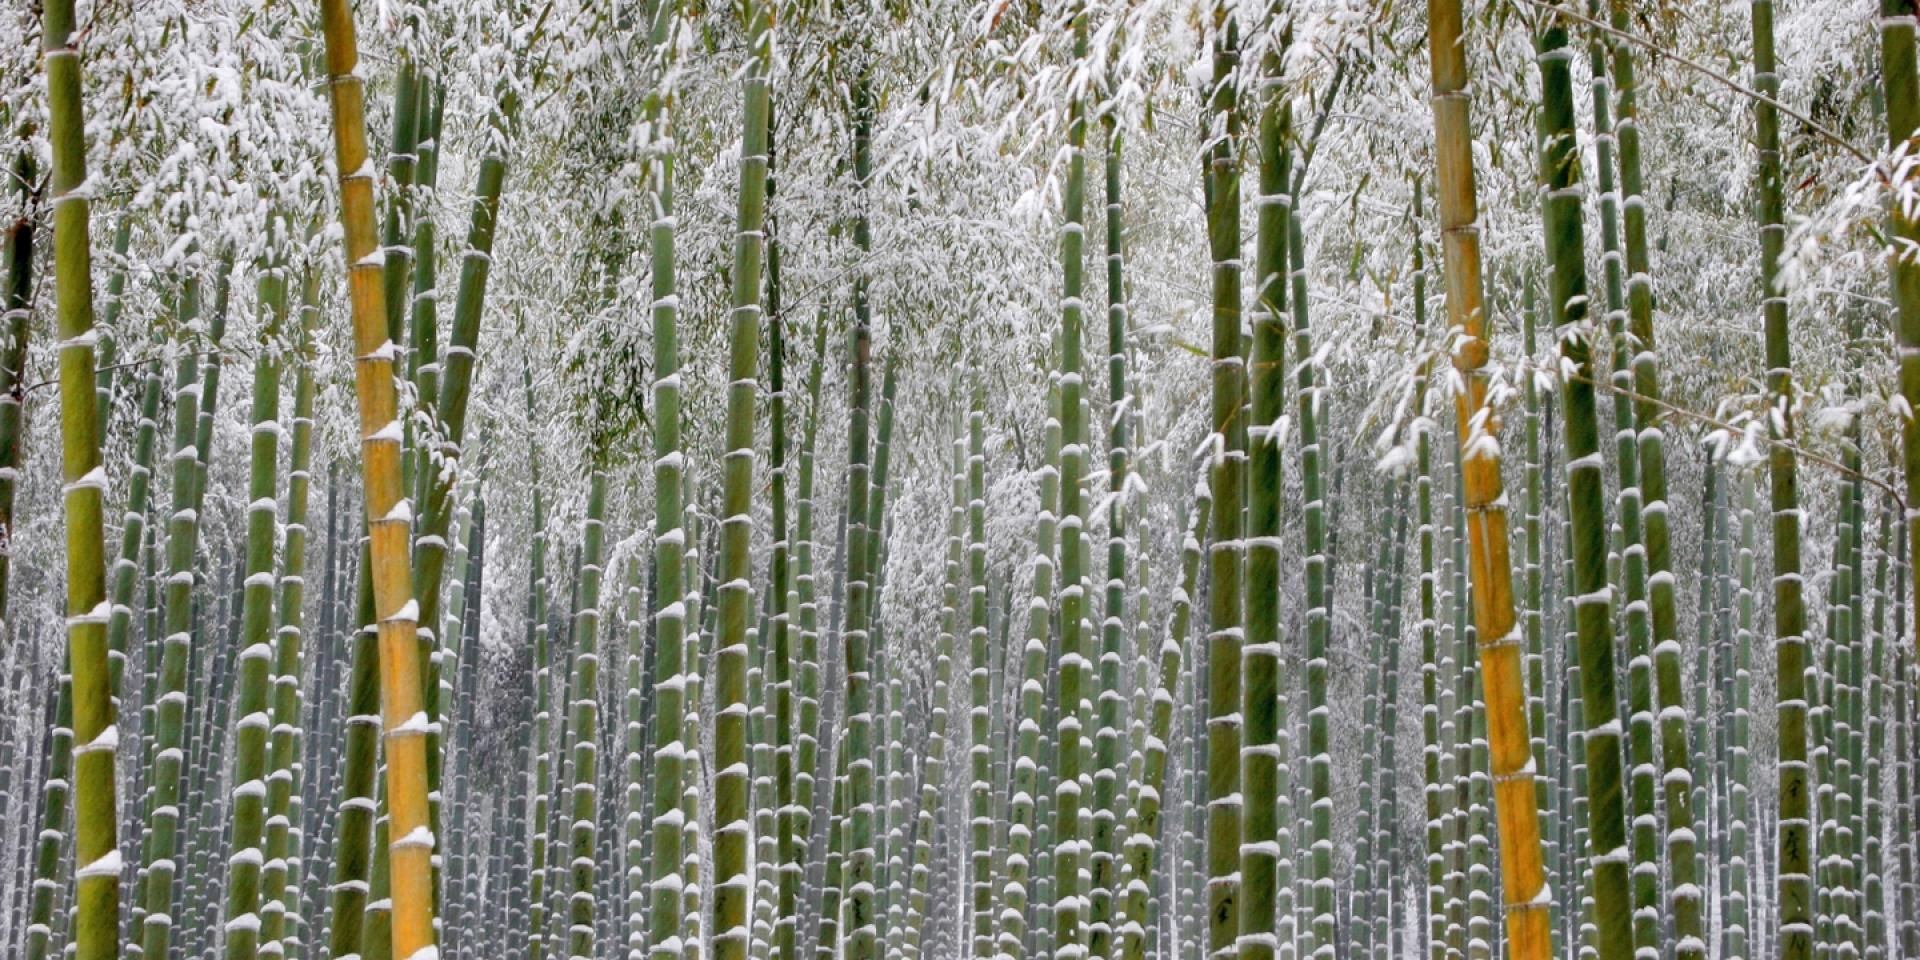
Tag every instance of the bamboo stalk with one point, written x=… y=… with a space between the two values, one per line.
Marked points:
x=389 y=514
x=1528 y=905
x=1794 y=898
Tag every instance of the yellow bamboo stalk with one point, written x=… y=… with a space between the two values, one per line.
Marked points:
x=389 y=515
x=1523 y=875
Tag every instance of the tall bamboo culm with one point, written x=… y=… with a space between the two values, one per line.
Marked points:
x=1228 y=447
x=731 y=882
x=96 y=914
x=389 y=516
x=1260 y=697
x=1685 y=901
x=255 y=676
x=1523 y=879
x=1567 y=304
x=673 y=754
x=1793 y=854
x=1900 y=90
x=1071 y=654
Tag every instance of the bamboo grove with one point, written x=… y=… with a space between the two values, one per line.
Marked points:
x=696 y=494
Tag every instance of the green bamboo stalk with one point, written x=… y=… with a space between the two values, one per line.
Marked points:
x=732 y=778
x=1226 y=561
x=807 y=756
x=1532 y=619
x=584 y=723
x=402 y=164
x=1684 y=902
x=860 y=931
x=1373 y=604
x=641 y=681
x=170 y=692
x=453 y=376
x=256 y=647
x=933 y=776
x=1907 y=928
x=96 y=922
x=1071 y=652
x=1259 y=697
x=888 y=757
x=1108 y=828
x=421 y=304
x=280 y=917
x=1568 y=306
x=699 y=597
x=540 y=853
x=1319 y=581
x=16 y=315
x=1629 y=572
x=1793 y=839
x=352 y=854
x=790 y=837
x=1432 y=747
x=672 y=751
x=980 y=807
x=1023 y=802
x=1387 y=935
x=1739 y=845
x=1145 y=808
x=1900 y=93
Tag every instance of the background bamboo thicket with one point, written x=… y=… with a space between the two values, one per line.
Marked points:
x=699 y=494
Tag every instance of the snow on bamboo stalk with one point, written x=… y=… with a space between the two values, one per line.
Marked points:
x=1023 y=800
x=860 y=931
x=1793 y=853
x=1685 y=900
x=1739 y=807
x=789 y=866
x=672 y=752
x=255 y=677
x=1901 y=93
x=1319 y=580
x=170 y=691
x=453 y=376
x=933 y=778
x=1260 y=699
x=806 y=752
x=1109 y=770
x=96 y=919
x=1143 y=816
x=732 y=883
x=1528 y=899
x=980 y=805
x=639 y=689
x=1628 y=568
x=1568 y=306
x=280 y=919
x=389 y=515
x=1067 y=903
x=1429 y=640
x=542 y=730
x=583 y=723
x=1228 y=464
x=1533 y=614
x=16 y=314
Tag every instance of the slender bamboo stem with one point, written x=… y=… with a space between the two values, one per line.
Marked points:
x=1523 y=880
x=389 y=514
